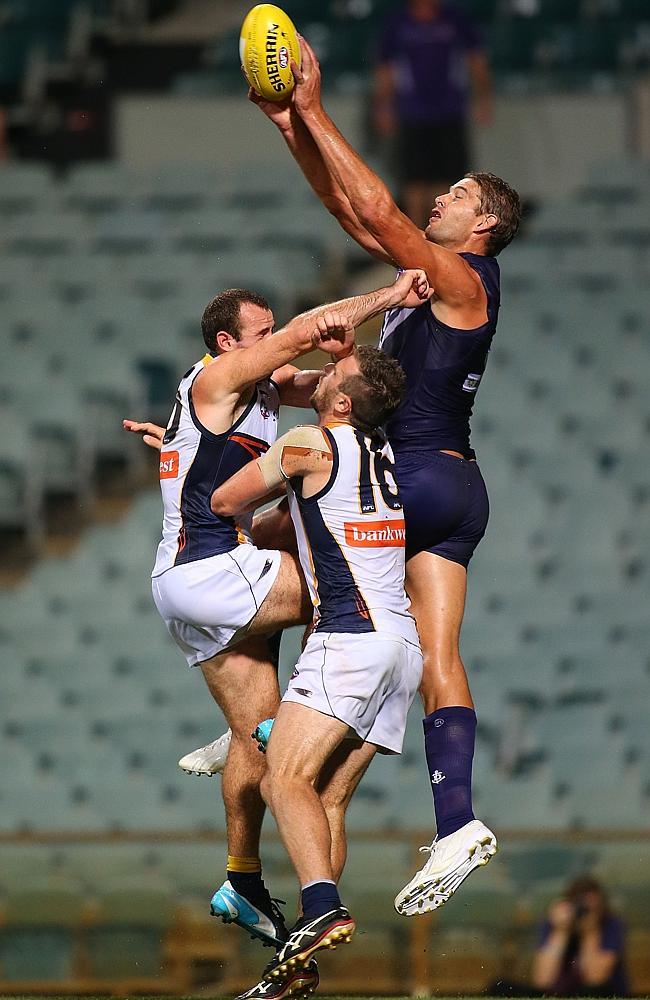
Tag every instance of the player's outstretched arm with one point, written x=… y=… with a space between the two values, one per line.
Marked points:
x=372 y=203
x=329 y=328
x=324 y=184
x=302 y=450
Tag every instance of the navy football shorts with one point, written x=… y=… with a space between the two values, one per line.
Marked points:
x=446 y=505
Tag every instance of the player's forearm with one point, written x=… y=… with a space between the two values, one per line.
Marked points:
x=253 y=505
x=365 y=191
x=299 y=390
x=359 y=308
x=243 y=492
x=325 y=185
x=307 y=155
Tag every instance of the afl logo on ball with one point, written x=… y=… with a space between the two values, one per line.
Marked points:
x=283 y=57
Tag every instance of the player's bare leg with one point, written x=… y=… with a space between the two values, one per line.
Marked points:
x=301 y=742
x=336 y=785
x=244 y=682
x=437 y=588
x=288 y=603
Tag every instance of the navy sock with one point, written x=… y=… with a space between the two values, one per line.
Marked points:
x=250 y=885
x=449 y=736
x=318 y=898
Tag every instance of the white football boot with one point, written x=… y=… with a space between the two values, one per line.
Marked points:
x=210 y=759
x=451 y=860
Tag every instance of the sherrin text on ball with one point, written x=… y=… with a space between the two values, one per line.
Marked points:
x=267 y=45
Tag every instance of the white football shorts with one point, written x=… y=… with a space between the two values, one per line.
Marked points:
x=205 y=603
x=367 y=681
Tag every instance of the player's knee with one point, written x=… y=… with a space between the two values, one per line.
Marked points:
x=285 y=777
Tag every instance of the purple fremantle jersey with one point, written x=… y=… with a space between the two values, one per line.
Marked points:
x=443 y=367
x=430 y=61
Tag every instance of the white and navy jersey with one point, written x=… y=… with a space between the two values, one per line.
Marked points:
x=194 y=462
x=443 y=367
x=351 y=539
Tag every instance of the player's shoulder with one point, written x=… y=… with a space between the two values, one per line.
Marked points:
x=485 y=267
x=308 y=437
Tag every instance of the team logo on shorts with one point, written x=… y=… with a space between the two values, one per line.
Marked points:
x=375 y=534
x=168 y=464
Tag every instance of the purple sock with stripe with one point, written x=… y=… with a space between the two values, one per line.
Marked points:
x=449 y=736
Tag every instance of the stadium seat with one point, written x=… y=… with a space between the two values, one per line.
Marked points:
x=37 y=939
x=183 y=187
x=60 y=449
x=527 y=801
x=42 y=235
x=78 y=277
x=630 y=226
x=560 y=224
x=21 y=495
x=101 y=188
x=125 y=942
x=601 y=803
x=129 y=232
x=23 y=187
x=213 y=232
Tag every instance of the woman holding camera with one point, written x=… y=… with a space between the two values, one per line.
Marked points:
x=581 y=947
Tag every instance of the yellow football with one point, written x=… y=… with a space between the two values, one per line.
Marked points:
x=267 y=44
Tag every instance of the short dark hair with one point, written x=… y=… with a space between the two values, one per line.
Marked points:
x=503 y=201
x=223 y=313
x=376 y=391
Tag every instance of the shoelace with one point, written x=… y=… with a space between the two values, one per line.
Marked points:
x=428 y=848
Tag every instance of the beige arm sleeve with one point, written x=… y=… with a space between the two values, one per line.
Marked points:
x=304 y=438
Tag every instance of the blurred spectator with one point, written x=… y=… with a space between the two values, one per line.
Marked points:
x=431 y=62
x=581 y=947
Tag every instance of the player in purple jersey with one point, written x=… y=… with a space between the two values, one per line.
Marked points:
x=443 y=347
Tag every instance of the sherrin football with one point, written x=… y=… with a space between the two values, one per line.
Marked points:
x=267 y=44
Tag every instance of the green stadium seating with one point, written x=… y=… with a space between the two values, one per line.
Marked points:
x=556 y=603
x=41 y=235
x=38 y=939
x=23 y=186
x=97 y=188
x=126 y=940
